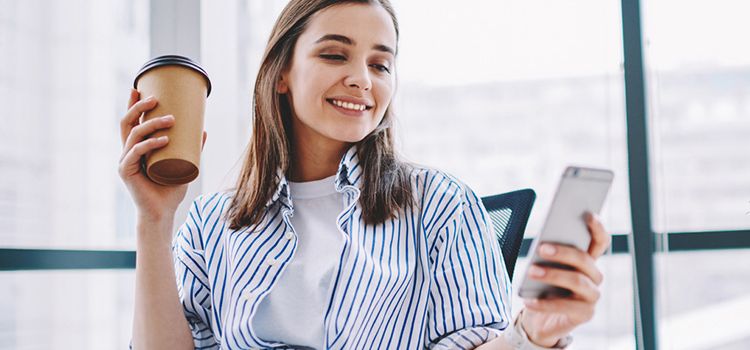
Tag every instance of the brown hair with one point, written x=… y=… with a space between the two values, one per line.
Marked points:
x=386 y=183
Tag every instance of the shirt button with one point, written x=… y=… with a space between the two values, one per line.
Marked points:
x=271 y=261
x=289 y=235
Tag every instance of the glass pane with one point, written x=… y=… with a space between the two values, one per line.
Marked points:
x=518 y=90
x=233 y=37
x=66 y=309
x=505 y=95
x=65 y=72
x=612 y=325
x=513 y=94
x=704 y=299
x=699 y=107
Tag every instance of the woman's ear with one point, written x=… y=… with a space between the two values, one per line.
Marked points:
x=281 y=86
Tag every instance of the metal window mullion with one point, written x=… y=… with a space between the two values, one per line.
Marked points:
x=638 y=164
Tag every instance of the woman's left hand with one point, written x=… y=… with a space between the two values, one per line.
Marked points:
x=548 y=320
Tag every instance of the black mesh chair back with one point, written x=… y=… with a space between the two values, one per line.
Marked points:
x=510 y=213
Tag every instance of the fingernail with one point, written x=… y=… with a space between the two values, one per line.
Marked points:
x=547 y=249
x=590 y=216
x=162 y=139
x=536 y=271
x=150 y=98
x=531 y=301
x=168 y=117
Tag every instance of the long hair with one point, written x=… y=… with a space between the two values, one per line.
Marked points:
x=386 y=183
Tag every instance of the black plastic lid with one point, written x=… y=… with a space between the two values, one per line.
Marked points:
x=172 y=60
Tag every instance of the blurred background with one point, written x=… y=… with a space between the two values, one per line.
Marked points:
x=502 y=94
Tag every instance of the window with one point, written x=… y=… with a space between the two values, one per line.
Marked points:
x=505 y=95
x=699 y=107
x=491 y=89
x=698 y=84
x=696 y=291
x=84 y=309
x=520 y=99
x=64 y=87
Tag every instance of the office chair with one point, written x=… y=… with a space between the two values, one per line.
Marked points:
x=509 y=213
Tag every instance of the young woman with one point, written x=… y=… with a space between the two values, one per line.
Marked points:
x=329 y=240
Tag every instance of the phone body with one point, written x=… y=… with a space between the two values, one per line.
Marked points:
x=580 y=190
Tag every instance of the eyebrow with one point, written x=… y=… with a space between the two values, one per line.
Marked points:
x=346 y=40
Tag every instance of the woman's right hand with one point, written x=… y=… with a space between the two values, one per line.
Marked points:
x=152 y=200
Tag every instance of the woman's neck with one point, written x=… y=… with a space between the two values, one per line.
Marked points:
x=315 y=159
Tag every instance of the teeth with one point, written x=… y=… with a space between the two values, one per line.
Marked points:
x=349 y=105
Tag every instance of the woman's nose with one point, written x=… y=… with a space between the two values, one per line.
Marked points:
x=359 y=77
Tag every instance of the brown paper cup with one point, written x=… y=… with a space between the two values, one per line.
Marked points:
x=181 y=87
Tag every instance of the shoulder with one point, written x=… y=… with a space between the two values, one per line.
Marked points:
x=432 y=182
x=210 y=206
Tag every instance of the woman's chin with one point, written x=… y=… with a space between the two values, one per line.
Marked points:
x=351 y=136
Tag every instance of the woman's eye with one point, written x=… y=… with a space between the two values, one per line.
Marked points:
x=333 y=57
x=381 y=68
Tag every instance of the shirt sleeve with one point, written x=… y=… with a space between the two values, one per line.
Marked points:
x=469 y=298
x=192 y=278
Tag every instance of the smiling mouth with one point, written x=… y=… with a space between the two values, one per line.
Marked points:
x=348 y=105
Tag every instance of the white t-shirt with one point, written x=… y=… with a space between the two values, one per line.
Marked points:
x=293 y=311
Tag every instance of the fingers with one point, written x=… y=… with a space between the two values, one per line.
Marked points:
x=130 y=165
x=140 y=132
x=581 y=311
x=130 y=120
x=134 y=97
x=572 y=257
x=581 y=285
x=600 y=239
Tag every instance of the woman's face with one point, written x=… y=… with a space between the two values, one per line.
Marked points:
x=340 y=81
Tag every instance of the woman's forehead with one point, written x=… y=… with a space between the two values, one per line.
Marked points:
x=362 y=23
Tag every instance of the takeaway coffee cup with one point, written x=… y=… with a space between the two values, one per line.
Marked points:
x=181 y=87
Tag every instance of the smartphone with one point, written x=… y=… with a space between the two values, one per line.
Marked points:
x=580 y=190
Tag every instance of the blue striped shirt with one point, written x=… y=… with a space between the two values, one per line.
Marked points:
x=431 y=277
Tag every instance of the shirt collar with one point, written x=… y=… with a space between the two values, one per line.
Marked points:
x=349 y=173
